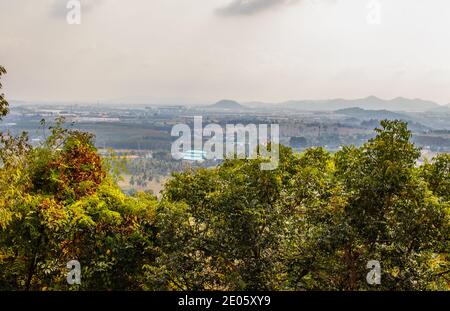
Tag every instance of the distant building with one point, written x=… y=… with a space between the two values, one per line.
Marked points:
x=194 y=155
x=95 y=119
x=170 y=109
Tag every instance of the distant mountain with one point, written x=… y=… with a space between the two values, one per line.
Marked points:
x=369 y=103
x=227 y=104
x=441 y=109
x=371 y=118
x=371 y=114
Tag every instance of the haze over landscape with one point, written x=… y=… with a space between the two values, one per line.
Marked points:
x=185 y=52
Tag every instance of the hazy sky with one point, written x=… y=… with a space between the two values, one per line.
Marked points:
x=200 y=51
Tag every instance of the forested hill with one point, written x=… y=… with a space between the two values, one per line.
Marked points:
x=313 y=223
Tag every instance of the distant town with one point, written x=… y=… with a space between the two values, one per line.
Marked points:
x=141 y=133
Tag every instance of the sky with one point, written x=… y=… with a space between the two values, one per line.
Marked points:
x=201 y=51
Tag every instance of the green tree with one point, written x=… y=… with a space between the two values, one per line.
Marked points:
x=437 y=174
x=62 y=206
x=3 y=101
x=313 y=223
x=391 y=216
x=223 y=228
x=60 y=203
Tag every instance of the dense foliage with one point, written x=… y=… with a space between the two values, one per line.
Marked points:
x=312 y=223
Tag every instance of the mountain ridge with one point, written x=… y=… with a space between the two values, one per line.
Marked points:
x=368 y=103
x=226 y=104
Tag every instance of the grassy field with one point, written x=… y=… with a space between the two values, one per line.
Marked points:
x=156 y=185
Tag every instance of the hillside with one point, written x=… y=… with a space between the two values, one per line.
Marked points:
x=369 y=103
x=441 y=109
x=372 y=114
x=226 y=104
